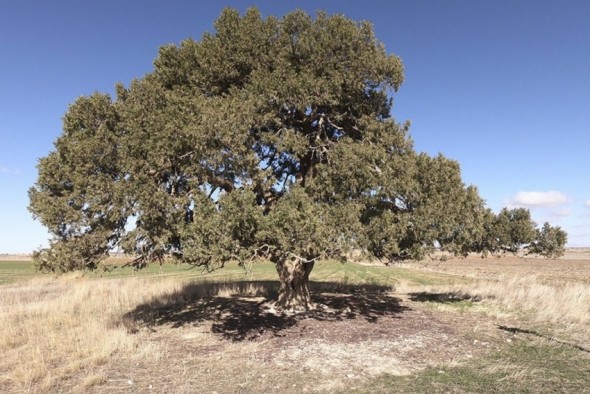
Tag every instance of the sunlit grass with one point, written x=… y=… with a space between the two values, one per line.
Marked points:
x=523 y=367
x=63 y=331
x=324 y=271
x=11 y=271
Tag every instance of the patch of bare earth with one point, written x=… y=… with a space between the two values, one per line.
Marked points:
x=15 y=257
x=574 y=266
x=236 y=344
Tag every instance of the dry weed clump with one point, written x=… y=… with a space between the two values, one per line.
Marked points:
x=564 y=303
x=52 y=329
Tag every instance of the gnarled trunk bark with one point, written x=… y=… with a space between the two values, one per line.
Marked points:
x=294 y=289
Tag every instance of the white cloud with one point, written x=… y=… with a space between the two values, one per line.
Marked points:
x=538 y=199
x=587 y=204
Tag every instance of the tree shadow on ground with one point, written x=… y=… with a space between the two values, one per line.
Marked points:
x=449 y=297
x=243 y=310
x=516 y=330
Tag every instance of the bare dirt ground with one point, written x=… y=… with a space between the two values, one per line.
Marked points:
x=237 y=345
x=14 y=257
x=574 y=266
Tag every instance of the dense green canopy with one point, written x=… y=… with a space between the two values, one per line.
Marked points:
x=269 y=138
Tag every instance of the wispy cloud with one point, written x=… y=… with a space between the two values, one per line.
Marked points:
x=587 y=204
x=538 y=199
x=560 y=213
x=10 y=171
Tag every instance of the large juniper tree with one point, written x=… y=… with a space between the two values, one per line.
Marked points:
x=269 y=138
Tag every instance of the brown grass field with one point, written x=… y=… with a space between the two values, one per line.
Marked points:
x=463 y=325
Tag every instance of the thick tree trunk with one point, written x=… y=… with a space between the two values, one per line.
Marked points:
x=294 y=290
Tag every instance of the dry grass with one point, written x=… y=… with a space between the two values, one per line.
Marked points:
x=564 y=303
x=536 y=291
x=55 y=328
x=78 y=335
x=73 y=334
x=558 y=312
x=65 y=332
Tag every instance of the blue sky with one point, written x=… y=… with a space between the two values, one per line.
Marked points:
x=501 y=86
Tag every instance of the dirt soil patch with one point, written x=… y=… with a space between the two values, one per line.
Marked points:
x=15 y=257
x=236 y=344
x=574 y=266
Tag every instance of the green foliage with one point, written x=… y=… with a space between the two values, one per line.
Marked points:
x=266 y=138
x=549 y=241
x=513 y=231
x=79 y=196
